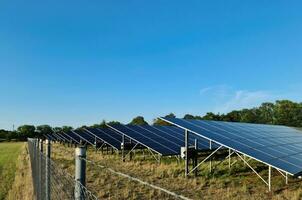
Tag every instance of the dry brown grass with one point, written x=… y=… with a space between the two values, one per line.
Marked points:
x=22 y=185
x=240 y=183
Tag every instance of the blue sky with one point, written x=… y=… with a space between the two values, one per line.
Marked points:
x=78 y=62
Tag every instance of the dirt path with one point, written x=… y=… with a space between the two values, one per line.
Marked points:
x=22 y=187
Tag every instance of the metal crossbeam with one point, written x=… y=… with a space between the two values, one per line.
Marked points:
x=101 y=146
x=266 y=182
x=209 y=156
x=228 y=156
x=131 y=150
x=285 y=175
x=153 y=155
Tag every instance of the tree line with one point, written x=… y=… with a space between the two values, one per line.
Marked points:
x=281 y=112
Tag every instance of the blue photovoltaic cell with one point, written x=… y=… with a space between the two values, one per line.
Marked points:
x=55 y=136
x=166 y=140
x=85 y=136
x=106 y=135
x=60 y=137
x=179 y=133
x=278 y=146
x=66 y=137
x=75 y=138
x=50 y=137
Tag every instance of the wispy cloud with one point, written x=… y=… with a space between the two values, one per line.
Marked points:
x=226 y=98
x=245 y=99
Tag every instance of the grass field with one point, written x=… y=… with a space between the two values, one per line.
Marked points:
x=9 y=153
x=239 y=183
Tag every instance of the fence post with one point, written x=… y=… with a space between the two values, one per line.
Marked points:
x=47 y=170
x=40 y=161
x=34 y=164
x=80 y=172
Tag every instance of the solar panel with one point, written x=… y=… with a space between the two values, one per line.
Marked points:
x=107 y=135
x=163 y=140
x=59 y=137
x=146 y=138
x=85 y=137
x=75 y=138
x=278 y=146
x=178 y=134
x=49 y=137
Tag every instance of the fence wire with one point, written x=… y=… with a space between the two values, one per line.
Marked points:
x=173 y=194
x=50 y=181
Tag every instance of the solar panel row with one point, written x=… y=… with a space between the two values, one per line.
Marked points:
x=278 y=146
x=165 y=140
x=107 y=136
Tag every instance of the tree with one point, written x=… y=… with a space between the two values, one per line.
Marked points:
x=288 y=113
x=57 y=129
x=161 y=122
x=212 y=116
x=44 y=130
x=267 y=113
x=233 y=116
x=26 y=131
x=188 y=116
x=171 y=115
x=249 y=115
x=3 y=134
x=100 y=125
x=139 y=120
x=66 y=128
x=113 y=123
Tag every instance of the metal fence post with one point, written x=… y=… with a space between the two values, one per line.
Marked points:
x=47 y=170
x=34 y=164
x=80 y=172
x=40 y=152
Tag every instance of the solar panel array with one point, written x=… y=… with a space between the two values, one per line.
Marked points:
x=165 y=140
x=85 y=137
x=278 y=146
x=72 y=137
x=107 y=136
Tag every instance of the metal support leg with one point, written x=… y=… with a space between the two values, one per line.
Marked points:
x=186 y=156
x=123 y=146
x=229 y=159
x=195 y=158
x=269 y=178
x=210 y=158
x=269 y=175
x=285 y=175
x=152 y=154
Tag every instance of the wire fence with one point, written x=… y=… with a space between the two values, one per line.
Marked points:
x=131 y=178
x=50 y=181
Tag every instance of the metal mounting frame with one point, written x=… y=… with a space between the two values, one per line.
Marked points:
x=237 y=152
